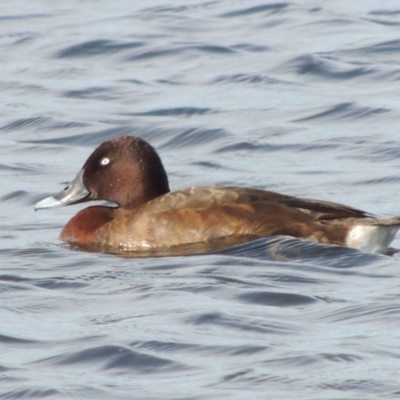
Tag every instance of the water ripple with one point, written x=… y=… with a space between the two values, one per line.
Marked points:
x=180 y=51
x=265 y=8
x=179 y=111
x=43 y=123
x=344 y=111
x=275 y=299
x=363 y=314
x=328 y=68
x=96 y=47
x=251 y=79
x=220 y=320
x=110 y=357
x=31 y=393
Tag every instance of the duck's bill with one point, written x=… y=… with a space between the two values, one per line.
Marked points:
x=73 y=193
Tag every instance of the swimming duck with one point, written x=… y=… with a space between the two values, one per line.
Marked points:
x=127 y=171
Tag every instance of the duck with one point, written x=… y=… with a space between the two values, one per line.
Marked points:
x=147 y=216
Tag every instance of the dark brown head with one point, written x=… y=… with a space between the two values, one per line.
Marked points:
x=125 y=170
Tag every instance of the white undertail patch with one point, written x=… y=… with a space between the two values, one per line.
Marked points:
x=371 y=238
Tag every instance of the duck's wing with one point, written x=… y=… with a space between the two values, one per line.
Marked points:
x=326 y=210
x=318 y=209
x=210 y=196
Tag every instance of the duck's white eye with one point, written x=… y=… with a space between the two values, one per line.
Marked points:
x=104 y=161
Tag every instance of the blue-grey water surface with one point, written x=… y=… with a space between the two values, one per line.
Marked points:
x=299 y=97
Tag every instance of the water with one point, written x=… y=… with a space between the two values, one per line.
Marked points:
x=298 y=97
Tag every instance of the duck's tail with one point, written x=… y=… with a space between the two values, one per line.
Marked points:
x=373 y=234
